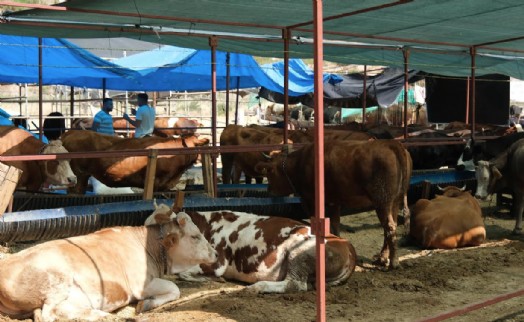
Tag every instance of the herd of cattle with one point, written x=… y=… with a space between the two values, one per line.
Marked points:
x=88 y=276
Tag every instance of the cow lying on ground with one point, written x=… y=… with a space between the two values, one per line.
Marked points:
x=358 y=174
x=276 y=255
x=505 y=171
x=128 y=171
x=85 y=277
x=35 y=174
x=451 y=220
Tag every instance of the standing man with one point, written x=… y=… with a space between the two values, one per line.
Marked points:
x=103 y=121
x=145 y=117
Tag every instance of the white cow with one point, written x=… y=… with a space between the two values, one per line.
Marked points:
x=85 y=277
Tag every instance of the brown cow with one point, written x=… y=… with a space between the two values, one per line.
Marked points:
x=15 y=141
x=128 y=171
x=358 y=174
x=274 y=254
x=235 y=163
x=246 y=161
x=451 y=220
x=164 y=126
x=85 y=277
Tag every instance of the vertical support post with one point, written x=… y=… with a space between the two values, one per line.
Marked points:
x=228 y=75
x=364 y=96
x=467 y=99
x=320 y=224
x=406 y=84
x=213 y=43
x=286 y=34
x=236 y=104
x=103 y=88
x=20 y=99
x=150 y=174
x=473 y=52
x=40 y=91
x=71 y=104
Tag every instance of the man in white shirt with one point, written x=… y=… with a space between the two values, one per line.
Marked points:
x=144 y=121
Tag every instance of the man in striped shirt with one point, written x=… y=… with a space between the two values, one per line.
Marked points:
x=103 y=121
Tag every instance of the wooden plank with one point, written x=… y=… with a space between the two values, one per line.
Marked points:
x=9 y=177
x=150 y=174
x=207 y=175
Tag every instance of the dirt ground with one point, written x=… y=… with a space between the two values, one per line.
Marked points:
x=428 y=283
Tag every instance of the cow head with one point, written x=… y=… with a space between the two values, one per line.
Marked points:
x=57 y=172
x=277 y=174
x=184 y=243
x=487 y=176
x=452 y=191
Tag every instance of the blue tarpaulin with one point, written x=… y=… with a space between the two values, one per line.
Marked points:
x=181 y=69
x=162 y=69
x=62 y=63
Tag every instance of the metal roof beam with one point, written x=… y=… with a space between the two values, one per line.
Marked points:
x=141 y=15
x=352 y=13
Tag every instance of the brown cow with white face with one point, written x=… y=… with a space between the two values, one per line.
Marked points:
x=274 y=254
x=35 y=174
x=128 y=171
x=357 y=174
x=85 y=277
x=451 y=220
x=504 y=172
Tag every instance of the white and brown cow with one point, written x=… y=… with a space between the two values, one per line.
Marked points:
x=85 y=277
x=274 y=254
x=35 y=174
x=451 y=220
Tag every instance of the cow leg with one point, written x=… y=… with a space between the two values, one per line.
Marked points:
x=227 y=167
x=388 y=220
x=301 y=265
x=259 y=180
x=517 y=208
x=70 y=311
x=156 y=293
x=333 y=212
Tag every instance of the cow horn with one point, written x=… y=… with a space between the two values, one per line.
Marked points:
x=463 y=188
x=440 y=188
x=267 y=156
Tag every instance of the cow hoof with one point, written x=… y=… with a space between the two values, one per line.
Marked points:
x=140 y=307
x=517 y=232
x=395 y=264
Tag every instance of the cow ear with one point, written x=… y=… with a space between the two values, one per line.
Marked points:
x=170 y=241
x=497 y=173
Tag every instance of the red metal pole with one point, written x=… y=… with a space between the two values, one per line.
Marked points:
x=286 y=35
x=364 y=96
x=319 y=223
x=473 y=52
x=406 y=84
x=228 y=76
x=467 y=100
x=40 y=90
x=213 y=42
